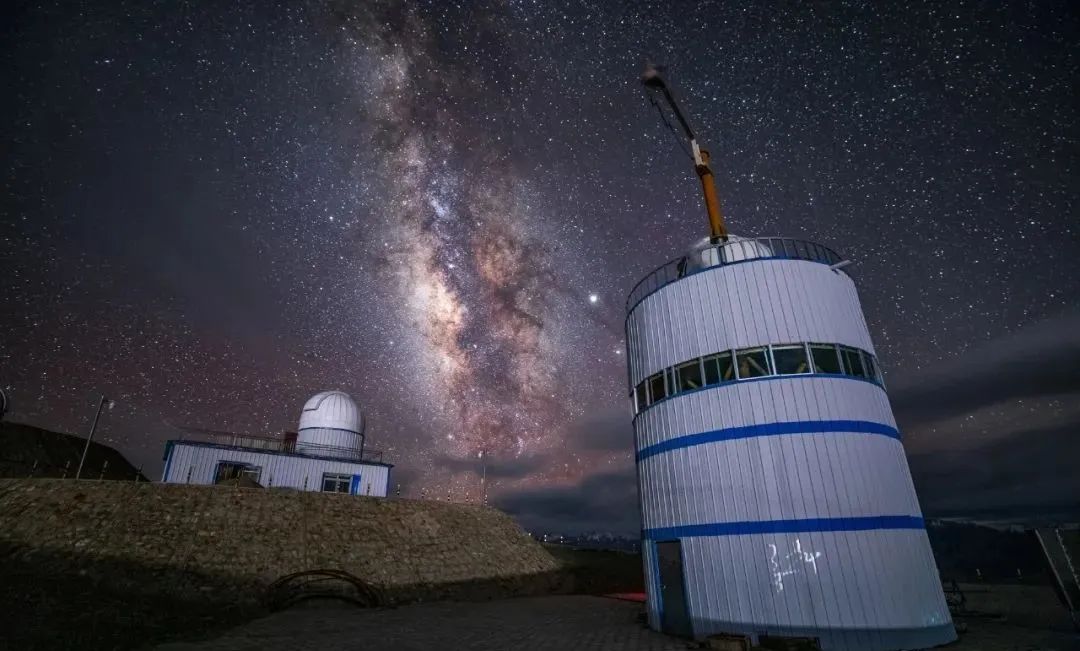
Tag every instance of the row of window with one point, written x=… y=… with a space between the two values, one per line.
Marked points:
x=749 y=363
x=235 y=470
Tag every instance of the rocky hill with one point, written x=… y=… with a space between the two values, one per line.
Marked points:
x=27 y=451
x=111 y=564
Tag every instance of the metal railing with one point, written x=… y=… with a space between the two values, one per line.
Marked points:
x=271 y=444
x=718 y=255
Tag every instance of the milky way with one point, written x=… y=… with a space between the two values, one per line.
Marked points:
x=212 y=212
x=461 y=246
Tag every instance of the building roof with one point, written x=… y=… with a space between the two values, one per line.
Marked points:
x=330 y=456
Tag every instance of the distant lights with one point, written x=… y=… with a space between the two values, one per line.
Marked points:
x=593 y=298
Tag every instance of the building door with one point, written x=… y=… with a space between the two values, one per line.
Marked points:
x=674 y=618
x=354 y=485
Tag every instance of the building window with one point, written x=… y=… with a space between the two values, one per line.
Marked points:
x=790 y=359
x=752 y=362
x=718 y=368
x=656 y=388
x=332 y=483
x=642 y=396
x=235 y=470
x=871 y=367
x=826 y=359
x=689 y=376
x=852 y=362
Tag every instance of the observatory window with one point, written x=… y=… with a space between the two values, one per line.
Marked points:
x=852 y=362
x=872 y=371
x=656 y=388
x=718 y=368
x=790 y=360
x=689 y=375
x=332 y=483
x=749 y=363
x=234 y=470
x=826 y=359
x=752 y=362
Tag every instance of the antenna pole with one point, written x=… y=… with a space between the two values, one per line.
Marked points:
x=90 y=437
x=717 y=230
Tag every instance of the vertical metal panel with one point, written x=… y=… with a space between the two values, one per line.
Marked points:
x=718 y=487
x=787 y=399
x=749 y=304
x=321 y=437
x=278 y=470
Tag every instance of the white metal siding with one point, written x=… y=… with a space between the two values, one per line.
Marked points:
x=278 y=470
x=795 y=476
x=743 y=305
x=856 y=590
x=848 y=580
x=770 y=400
x=322 y=436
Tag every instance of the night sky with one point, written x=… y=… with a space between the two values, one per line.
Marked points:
x=213 y=210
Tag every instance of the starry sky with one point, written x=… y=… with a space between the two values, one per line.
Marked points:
x=213 y=210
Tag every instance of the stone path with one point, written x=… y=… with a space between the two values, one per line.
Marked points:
x=563 y=623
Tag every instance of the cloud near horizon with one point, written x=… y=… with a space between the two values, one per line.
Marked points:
x=1040 y=360
x=992 y=430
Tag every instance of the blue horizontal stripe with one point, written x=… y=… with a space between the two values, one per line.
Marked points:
x=865 y=523
x=769 y=429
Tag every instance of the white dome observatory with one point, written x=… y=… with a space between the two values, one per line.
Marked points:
x=330 y=421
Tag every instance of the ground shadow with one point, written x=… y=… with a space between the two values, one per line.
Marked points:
x=71 y=601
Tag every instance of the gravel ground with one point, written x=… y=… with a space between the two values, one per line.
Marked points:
x=557 y=622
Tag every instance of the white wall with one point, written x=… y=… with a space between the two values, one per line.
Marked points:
x=876 y=588
x=279 y=470
x=743 y=305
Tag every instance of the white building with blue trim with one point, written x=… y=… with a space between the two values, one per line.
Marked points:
x=775 y=494
x=327 y=454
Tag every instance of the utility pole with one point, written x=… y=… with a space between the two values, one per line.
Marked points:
x=483 y=478
x=86 y=448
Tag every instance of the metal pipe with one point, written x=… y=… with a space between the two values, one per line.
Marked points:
x=86 y=448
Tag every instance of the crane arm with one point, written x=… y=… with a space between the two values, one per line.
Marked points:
x=718 y=231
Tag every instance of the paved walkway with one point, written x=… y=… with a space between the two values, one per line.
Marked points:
x=563 y=623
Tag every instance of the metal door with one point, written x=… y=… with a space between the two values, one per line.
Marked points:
x=674 y=618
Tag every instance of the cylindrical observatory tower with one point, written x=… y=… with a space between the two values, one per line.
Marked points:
x=775 y=493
